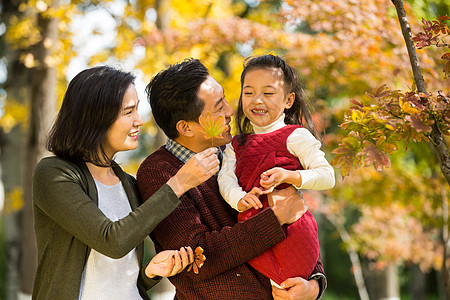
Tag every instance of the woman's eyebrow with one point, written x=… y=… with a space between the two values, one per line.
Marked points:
x=131 y=106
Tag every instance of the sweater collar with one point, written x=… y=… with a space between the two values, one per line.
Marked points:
x=279 y=123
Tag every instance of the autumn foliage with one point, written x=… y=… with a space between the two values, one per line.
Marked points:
x=352 y=60
x=375 y=129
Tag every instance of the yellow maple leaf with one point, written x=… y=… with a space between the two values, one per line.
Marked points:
x=212 y=127
x=199 y=260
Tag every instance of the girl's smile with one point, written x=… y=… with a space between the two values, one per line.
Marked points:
x=264 y=96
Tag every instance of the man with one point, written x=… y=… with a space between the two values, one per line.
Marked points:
x=178 y=96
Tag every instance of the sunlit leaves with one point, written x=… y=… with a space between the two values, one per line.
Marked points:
x=14 y=113
x=373 y=154
x=212 y=127
x=378 y=126
x=389 y=234
x=347 y=154
x=22 y=33
x=437 y=33
x=14 y=201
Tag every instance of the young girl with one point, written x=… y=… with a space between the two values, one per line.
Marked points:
x=271 y=151
x=89 y=219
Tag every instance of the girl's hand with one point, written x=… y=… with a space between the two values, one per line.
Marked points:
x=195 y=171
x=250 y=200
x=272 y=178
x=169 y=262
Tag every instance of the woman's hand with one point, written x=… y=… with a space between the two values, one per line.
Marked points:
x=169 y=262
x=195 y=171
x=296 y=288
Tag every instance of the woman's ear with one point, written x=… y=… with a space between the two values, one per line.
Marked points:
x=184 y=128
x=290 y=100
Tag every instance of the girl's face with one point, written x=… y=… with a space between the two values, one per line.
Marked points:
x=122 y=135
x=264 y=98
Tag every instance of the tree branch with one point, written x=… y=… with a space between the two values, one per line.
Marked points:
x=406 y=31
x=436 y=135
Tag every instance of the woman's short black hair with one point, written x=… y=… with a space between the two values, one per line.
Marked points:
x=172 y=95
x=91 y=105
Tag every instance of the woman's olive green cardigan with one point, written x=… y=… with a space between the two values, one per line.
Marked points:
x=68 y=224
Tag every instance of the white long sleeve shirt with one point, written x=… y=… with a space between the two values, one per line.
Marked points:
x=318 y=174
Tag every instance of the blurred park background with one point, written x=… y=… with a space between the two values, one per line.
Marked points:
x=383 y=228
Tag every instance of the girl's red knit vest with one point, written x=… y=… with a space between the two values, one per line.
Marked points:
x=261 y=152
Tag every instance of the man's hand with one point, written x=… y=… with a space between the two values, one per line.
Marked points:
x=296 y=288
x=287 y=205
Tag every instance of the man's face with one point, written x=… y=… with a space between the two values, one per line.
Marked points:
x=213 y=95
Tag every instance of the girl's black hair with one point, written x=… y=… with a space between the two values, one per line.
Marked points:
x=91 y=105
x=297 y=114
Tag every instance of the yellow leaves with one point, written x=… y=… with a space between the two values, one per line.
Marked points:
x=357 y=115
x=199 y=260
x=14 y=113
x=406 y=106
x=22 y=33
x=14 y=201
x=212 y=127
x=390 y=127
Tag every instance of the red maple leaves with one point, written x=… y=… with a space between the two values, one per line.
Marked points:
x=435 y=33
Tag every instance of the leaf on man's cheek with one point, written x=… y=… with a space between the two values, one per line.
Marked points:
x=212 y=127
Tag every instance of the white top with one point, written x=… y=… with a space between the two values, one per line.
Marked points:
x=104 y=277
x=318 y=174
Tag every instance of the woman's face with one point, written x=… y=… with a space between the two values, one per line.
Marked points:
x=122 y=135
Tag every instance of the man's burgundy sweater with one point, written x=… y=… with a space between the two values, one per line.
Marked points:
x=205 y=219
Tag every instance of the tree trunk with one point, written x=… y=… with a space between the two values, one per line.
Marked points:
x=417 y=284
x=383 y=284
x=11 y=160
x=354 y=258
x=42 y=112
x=436 y=136
x=446 y=239
x=392 y=290
x=13 y=154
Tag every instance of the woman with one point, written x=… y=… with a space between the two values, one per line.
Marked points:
x=88 y=222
